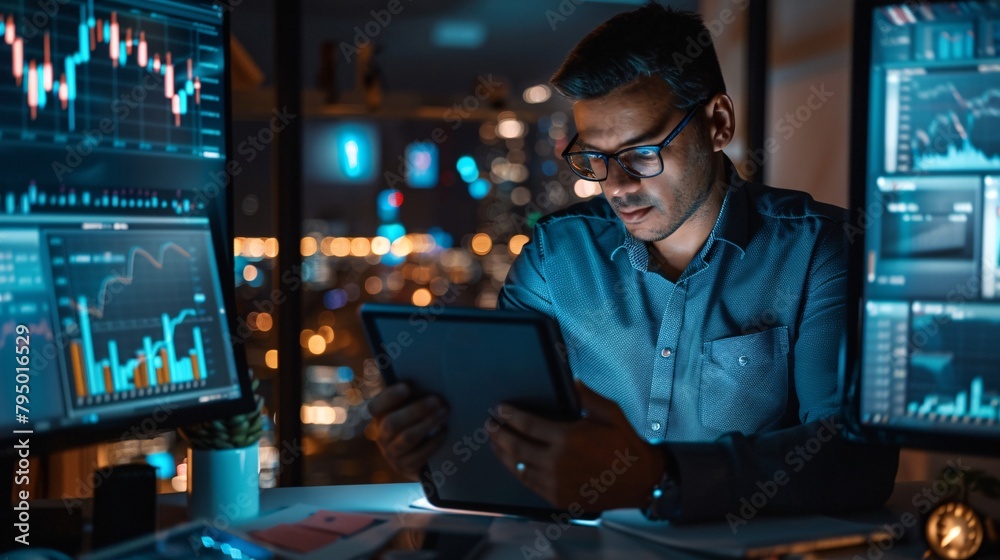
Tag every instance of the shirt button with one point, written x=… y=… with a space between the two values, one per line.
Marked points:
x=655 y=426
x=744 y=360
x=666 y=352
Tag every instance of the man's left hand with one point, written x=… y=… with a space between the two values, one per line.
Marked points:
x=597 y=462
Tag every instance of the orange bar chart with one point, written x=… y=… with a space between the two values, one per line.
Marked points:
x=76 y=357
x=108 y=383
x=195 y=366
x=139 y=378
x=165 y=370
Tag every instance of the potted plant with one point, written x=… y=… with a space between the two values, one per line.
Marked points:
x=223 y=466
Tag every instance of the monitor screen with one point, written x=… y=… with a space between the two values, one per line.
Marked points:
x=930 y=271
x=115 y=291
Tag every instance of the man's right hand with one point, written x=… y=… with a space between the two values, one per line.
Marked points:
x=408 y=431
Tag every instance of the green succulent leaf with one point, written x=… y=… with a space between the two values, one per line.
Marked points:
x=241 y=430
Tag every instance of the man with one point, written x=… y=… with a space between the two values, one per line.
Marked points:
x=703 y=314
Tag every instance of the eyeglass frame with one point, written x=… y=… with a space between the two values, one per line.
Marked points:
x=658 y=147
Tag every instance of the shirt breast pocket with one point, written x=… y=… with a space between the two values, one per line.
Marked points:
x=744 y=381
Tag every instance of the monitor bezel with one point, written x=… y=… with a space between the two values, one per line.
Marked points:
x=940 y=438
x=220 y=212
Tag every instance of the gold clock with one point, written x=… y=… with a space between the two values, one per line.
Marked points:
x=954 y=531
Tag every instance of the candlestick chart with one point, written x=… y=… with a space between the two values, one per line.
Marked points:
x=109 y=76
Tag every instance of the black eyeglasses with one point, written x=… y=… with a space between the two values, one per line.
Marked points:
x=638 y=161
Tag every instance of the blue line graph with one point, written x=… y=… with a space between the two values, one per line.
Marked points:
x=128 y=273
x=135 y=312
x=950 y=121
x=952 y=371
x=126 y=376
x=973 y=403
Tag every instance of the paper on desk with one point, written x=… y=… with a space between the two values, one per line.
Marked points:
x=316 y=531
x=422 y=503
x=366 y=532
x=295 y=537
x=759 y=538
x=344 y=524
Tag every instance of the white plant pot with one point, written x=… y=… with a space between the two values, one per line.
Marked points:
x=223 y=485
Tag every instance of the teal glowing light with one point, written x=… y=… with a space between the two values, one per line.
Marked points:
x=387 y=205
x=352 y=164
x=479 y=188
x=356 y=157
x=467 y=169
x=442 y=238
x=163 y=462
x=391 y=232
x=391 y=259
x=458 y=34
x=422 y=165
x=342 y=152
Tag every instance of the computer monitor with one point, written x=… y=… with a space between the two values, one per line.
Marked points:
x=925 y=204
x=116 y=305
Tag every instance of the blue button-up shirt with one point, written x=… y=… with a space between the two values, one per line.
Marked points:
x=745 y=340
x=733 y=367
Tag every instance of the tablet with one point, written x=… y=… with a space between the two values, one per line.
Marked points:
x=475 y=359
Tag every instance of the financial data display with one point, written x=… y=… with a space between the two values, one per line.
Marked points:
x=125 y=312
x=112 y=94
x=113 y=134
x=931 y=339
x=147 y=79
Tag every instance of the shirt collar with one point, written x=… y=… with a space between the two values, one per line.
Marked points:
x=731 y=226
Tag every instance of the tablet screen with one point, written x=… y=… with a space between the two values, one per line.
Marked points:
x=476 y=360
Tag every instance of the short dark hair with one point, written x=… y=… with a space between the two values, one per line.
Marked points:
x=648 y=41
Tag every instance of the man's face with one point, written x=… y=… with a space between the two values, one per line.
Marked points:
x=641 y=113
